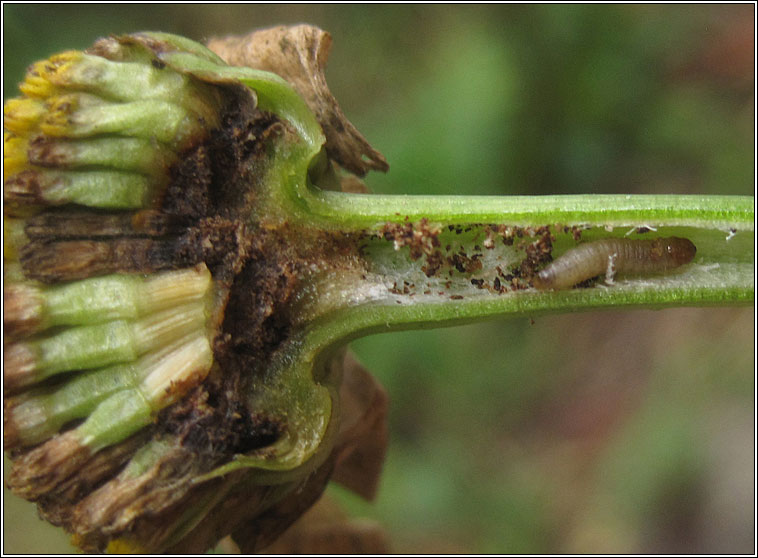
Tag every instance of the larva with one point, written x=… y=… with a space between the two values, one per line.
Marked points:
x=615 y=255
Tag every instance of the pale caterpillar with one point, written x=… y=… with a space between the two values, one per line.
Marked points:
x=614 y=255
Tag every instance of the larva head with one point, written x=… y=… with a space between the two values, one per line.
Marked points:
x=544 y=280
x=680 y=250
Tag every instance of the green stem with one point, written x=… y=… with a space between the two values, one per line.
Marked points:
x=359 y=211
x=382 y=317
x=371 y=302
x=720 y=226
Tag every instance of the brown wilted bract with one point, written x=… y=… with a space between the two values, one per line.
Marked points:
x=299 y=54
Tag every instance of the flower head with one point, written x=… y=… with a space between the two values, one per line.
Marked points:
x=154 y=369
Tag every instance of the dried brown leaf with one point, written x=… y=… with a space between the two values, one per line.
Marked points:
x=255 y=535
x=325 y=529
x=362 y=442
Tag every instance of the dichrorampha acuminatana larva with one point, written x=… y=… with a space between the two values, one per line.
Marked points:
x=624 y=256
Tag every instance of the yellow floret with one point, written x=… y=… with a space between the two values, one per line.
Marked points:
x=121 y=546
x=14 y=153
x=35 y=85
x=22 y=115
x=44 y=78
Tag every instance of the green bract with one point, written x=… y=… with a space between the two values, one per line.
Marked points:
x=182 y=274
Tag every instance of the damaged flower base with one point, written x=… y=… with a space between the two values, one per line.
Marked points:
x=146 y=303
x=182 y=272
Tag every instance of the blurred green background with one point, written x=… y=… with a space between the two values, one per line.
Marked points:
x=621 y=432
